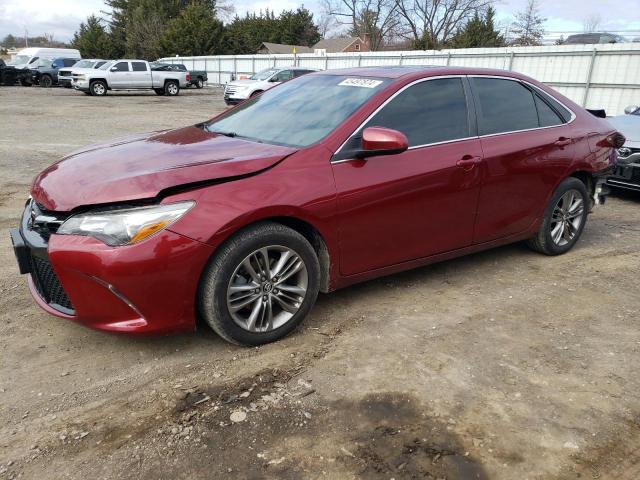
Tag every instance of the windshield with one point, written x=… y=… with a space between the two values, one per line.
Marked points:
x=263 y=74
x=19 y=60
x=106 y=65
x=299 y=112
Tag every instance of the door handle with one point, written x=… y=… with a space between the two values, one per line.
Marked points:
x=469 y=161
x=563 y=141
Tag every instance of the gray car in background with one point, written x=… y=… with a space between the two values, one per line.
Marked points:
x=627 y=173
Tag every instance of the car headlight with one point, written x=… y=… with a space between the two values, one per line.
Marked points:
x=125 y=226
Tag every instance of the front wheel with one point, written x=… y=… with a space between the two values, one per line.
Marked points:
x=260 y=285
x=98 y=88
x=171 y=88
x=46 y=81
x=564 y=219
x=26 y=83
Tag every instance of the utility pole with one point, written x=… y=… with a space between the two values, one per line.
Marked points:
x=26 y=38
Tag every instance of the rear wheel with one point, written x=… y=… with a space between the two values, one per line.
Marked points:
x=199 y=83
x=260 y=285
x=171 y=88
x=46 y=81
x=564 y=219
x=98 y=88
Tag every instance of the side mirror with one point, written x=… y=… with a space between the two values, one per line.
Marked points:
x=630 y=109
x=382 y=141
x=113 y=69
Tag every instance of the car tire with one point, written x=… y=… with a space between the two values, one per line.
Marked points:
x=199 y=83
x=46 y=81
x=98 y=88
x=256 y=93
x=171 y=88
x=276 y=315
x=159 y=91
x=564 y=219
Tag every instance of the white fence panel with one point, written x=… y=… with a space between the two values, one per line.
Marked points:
x=595 y=76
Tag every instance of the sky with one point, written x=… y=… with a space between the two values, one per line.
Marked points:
x=62 y=17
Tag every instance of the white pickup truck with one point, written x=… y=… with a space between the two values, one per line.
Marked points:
x=129 y=75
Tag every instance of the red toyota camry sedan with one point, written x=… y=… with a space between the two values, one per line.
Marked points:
x=332 y=178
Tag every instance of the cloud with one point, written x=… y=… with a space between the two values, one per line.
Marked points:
x=60 y=17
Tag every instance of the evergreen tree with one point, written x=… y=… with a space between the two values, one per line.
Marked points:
x=92 y=39
x=479 y=32
x=196 y=31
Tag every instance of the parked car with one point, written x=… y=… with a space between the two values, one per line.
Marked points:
x=45 y=73
x=65 y=74
x=330 y=179
x=626 y=175
x=129 y=75
x=10 y=75
x=595 y=37
x=29 y=58
x=239 y=90
x=198 y=77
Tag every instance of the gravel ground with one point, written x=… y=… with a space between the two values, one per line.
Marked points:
x=500 y=365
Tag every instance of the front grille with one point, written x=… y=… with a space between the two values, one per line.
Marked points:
x=229 y=90
x=48 y=284
x=45 y=222
x=64 y=74
x=625 y=152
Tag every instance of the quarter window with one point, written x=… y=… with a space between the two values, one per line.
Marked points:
x=139 y=66
x=547 y=116
x=429 y=112
x=505 y=106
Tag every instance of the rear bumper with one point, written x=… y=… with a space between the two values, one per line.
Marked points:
x=148 y=288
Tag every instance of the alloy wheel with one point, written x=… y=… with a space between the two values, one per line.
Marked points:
x=98 y=89
x=172 y=88
x=567 y=217
x=267 y=289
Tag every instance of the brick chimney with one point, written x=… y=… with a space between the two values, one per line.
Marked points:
x=367 y=42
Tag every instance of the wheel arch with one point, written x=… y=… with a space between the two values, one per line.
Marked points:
x=99 y=80
x=308 y=231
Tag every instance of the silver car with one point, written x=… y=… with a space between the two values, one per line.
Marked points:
x=65 y=75
x=627 y=173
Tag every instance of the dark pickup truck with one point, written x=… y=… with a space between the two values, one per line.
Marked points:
x=198 y=77
x=46 y=74
x=10 y=75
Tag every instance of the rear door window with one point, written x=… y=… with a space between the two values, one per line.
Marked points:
x=139 y=66
x=428 y=112
x=504 y=106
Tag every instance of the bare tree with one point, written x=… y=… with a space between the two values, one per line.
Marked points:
x=376 y=19
x=591 y=23
x=528 y=27
x=48 y=37
x=431 y=23
x=225 y=10
x=327 y=22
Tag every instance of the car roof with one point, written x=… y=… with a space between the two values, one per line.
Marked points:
x=417 y=71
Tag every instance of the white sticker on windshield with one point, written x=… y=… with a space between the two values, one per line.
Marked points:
x=360 y=82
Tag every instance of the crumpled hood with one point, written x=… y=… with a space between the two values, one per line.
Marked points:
x=141 y=166
x=628 y=125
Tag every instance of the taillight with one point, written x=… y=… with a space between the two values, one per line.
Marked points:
x=188 y=77
x=615 y=140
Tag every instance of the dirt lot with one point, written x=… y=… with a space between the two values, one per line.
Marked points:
x=501 y=365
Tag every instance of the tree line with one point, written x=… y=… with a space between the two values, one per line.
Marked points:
x=159 y=28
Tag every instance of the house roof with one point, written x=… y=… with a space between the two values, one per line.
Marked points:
x=280 y=48
x=335 y=45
